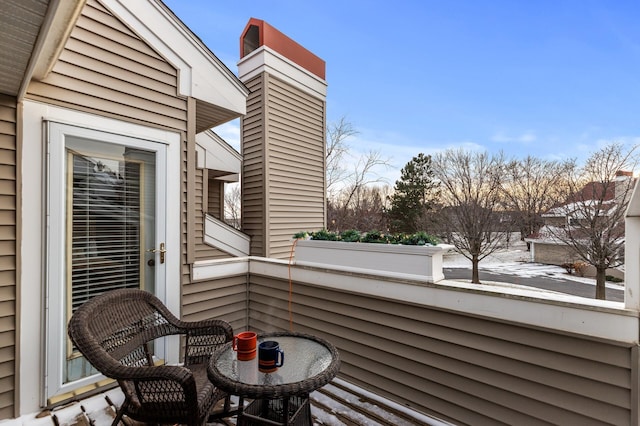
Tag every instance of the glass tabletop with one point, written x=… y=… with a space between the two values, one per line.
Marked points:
x=304 y=358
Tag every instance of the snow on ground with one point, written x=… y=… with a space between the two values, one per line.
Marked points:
x=515 y=260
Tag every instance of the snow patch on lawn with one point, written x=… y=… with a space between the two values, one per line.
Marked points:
x=516 y=261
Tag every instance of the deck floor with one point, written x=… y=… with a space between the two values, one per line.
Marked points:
x=337 y=404
x=340 y=404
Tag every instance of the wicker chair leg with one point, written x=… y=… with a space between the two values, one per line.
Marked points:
x=226 y=411
x=227 y=403
x=120 y=413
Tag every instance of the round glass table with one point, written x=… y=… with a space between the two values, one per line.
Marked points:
x=283 y=395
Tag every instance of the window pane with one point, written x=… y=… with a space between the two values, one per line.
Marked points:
x=110 y=222
x=105 y=219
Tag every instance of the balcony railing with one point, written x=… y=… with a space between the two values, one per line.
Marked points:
x=463 y=353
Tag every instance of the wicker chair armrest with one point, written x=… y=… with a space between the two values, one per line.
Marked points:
x=206 y=327
x=174 y=373
x=204 y=338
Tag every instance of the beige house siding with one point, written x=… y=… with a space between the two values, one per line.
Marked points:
x=290 y=181
x=96 y=73
x=8 y=253
x=203 y=251
x=296 y=153
x=215 y=198
x=468 y=370
x=225 y=299
x=253 y=173
x=558 y=254
x=554 y=254
x=555 y=221
x=107 y=69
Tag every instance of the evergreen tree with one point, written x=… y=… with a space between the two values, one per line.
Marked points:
x=413 y=195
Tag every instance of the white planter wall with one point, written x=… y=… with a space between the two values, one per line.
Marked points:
x=425 y=261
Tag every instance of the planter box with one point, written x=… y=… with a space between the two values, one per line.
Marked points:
x=425 y=261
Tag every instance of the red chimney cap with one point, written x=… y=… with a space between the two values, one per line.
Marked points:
x=259 y=33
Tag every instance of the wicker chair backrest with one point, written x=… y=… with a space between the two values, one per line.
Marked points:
x=120 y=325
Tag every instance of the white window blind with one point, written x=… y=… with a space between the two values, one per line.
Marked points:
x=105 y=206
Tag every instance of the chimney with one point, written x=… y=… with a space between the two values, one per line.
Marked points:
x=624 y=184
x=282 y=138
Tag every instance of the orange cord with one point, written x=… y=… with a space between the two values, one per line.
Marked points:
x=293 y=246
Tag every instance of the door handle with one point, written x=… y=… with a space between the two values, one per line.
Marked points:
x=161 y=250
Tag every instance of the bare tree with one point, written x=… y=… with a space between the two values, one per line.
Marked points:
x=531 y=187
x=366 y=210
x=232 y=203
x=595 y=207
x=348 y=172
x=471 y=190
x=337 y=152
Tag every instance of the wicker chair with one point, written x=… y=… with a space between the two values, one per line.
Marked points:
x=114 y=331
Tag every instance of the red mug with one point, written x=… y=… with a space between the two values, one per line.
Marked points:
x=245 y=345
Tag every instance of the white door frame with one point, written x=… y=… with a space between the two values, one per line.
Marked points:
x=57 y=240
x=33 y=301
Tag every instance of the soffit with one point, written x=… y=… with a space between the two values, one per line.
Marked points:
x=220 y=158
x=20 y=21
x=209 y=115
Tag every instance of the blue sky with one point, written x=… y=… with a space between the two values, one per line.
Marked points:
x=551 y=78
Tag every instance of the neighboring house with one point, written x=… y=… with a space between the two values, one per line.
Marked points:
x=111 y=176
x=547 y=248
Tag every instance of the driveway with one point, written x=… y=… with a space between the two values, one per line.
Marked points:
x=546 y=281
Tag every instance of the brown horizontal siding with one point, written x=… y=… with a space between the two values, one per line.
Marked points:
x=8 y=232
x=310 y=106
x=110 y=75
x=7 y=278
x=252 y=182
x=466 y=369
x=203 y=251
x=97 y=20
x=184 y=205
x=215 y=199
x=300 y=189
x=8 y=166
x=157 y=74
x=8 y=254
x=223 y=299
x=287 y=170
x=304 y=212
x=107 y=69
x=296 y=150
x=554 y=254
x=288 y=150
x=7 y=136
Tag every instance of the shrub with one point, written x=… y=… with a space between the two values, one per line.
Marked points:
x=324 y=235
x=374 y=237
x=350 y=236
x=419 y=239
x=613 y=279
x=580 y=267
x=568 y=266
x=354 y=236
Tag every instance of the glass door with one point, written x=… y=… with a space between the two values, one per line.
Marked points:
x=104 y=198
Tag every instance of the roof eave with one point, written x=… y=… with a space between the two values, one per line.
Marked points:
x=201 y=74
x=60 y=19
